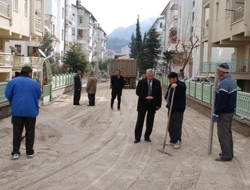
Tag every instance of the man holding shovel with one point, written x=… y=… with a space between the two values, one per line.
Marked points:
x=179 y=104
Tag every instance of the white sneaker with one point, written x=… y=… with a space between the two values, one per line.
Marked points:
x=177 y=145
x=31 y=156
x=15 y=156
x=169 y=144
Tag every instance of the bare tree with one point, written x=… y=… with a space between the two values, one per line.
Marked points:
x=187 y=37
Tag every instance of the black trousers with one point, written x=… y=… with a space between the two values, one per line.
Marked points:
x=91 y=99
x=140 y=122
x=175 y=126
x=225 y=136
x=113 y=96
x=18 y=124
x=77 y=96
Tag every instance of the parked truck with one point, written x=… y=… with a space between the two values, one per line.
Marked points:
x=128 y=68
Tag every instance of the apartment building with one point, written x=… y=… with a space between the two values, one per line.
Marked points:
x=183 y=30
x=159 y=25
x=226 y=24
x=20 y=20
x=90 y=35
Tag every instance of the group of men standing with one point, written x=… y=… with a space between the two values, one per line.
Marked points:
x=90 y=88
x=24 y=93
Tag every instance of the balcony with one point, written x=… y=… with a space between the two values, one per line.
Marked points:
x=173 y=25
x=205 y=32
x=174 y=4
x=38 y=25
x=172 y=46
x=238 y=14
x=237 y=66
x=4 y=9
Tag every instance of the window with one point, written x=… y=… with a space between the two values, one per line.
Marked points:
x=62 y=34
x=160 y=24
x=25 y=7
x=73 y=31
x=80 y=20
x=19 y=49
x=16 y=5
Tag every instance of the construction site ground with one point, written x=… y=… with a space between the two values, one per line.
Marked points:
x=81 y=147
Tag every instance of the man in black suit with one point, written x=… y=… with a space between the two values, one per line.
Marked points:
x=77 y=88
x=117 y=82
x=149 y=100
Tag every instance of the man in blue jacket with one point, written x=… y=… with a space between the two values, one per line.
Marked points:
x=225 y=104
x=23 y=94
x=178 y=108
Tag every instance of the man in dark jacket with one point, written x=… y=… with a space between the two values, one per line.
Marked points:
x=178 y=108
x=225 y=104
x=23 y=94
x=77 y=88
x=149 y=100
x=117 y=82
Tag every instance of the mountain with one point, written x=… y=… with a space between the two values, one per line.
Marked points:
x=121 y=36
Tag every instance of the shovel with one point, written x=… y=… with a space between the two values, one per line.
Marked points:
x=165 y=138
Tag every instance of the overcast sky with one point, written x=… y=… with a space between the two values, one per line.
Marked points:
x=112 y=14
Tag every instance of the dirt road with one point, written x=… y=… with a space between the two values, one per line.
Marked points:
x=80 y=147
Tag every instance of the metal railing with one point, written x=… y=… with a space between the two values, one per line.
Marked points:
x=204 y=93
x=2 y=89
x=57 y=81
x=4 y=9
x=236 y=65
x=238 y=14
x=38 y=25
x=62 y=80
x=19 y=61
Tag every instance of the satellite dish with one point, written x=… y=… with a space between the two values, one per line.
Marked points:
x=14 y=50
x=47 y=28
x=42 y=53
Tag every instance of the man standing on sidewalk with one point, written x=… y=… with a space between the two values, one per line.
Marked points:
x=77 y=88
x=178 y=108
x=23 y=94
x=91 y=88
x=225 y=105
x=117 y=82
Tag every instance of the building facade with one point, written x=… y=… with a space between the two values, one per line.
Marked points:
x=183 y=36
x=226 y=24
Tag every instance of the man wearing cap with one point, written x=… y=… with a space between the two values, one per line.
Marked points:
x=23 y=94
x=224 y=108
x=77 y=88
x=149 y=101
x=91 y=88
x=178 y=108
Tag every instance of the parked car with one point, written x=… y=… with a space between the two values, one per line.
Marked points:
x=199 y=79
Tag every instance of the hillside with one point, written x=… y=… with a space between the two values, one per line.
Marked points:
x=121 y=36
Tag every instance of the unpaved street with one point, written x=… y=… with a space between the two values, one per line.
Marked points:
x=80 y=147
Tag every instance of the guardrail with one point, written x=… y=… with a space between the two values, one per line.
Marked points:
x=58 y=81
x=2 y=89
x=236 y=65
x=204 y=93
x=62 y=80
